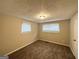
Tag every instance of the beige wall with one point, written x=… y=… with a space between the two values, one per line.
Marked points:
x=0 y=36
x=74 y=34
x=12 y=37
x=1 y=40
x=61 y=37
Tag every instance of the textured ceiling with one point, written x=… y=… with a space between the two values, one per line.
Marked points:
x=31 y=9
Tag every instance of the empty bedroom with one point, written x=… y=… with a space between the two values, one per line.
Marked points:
x=38 y=29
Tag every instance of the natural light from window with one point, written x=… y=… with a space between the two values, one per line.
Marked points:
x=53 y=27
x=26 y=27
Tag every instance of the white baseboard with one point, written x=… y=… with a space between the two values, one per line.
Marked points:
x=19 y=48
x=56 y=43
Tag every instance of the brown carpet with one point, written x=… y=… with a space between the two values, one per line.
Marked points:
x=43 y=50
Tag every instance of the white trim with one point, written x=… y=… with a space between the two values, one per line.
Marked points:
x=55 y=43
x=18 y=48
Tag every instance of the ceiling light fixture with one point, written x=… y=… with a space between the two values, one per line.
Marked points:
x=42 y=17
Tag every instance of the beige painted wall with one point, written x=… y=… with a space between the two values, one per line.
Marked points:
x=1 y=40
x=61 y=37
x=12 y=37
x=0 y=37
x=74 y=35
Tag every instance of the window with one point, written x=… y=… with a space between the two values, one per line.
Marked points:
x=51 y=27
x=26 y=27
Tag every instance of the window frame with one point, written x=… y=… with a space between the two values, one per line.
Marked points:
x=22 y=27
x=49 y=30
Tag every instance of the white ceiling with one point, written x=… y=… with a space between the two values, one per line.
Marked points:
x=32 y=9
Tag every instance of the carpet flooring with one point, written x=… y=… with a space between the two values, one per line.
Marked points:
x=43 y=50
